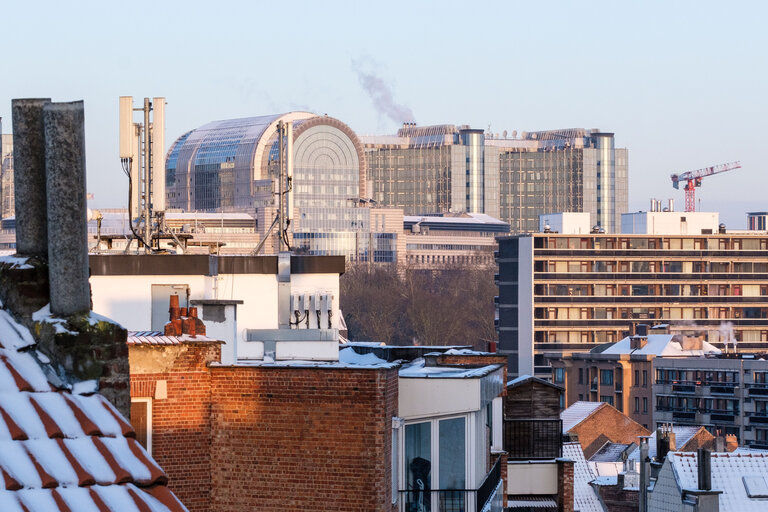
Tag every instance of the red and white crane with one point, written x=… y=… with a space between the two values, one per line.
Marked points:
x=693 y=179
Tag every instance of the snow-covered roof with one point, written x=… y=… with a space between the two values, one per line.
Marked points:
x=584 y=497
x=737 y=475
x=525 y=378
x=158 y=338
x=683 y=434
x=660 y=345
x=578 y=412
x=64 y=451
x=611 y=452
x=418 y=368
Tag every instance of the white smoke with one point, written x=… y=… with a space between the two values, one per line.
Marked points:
x=381 y=95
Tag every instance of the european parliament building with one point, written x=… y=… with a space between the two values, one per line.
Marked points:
x=231 y=165
x=455 y=168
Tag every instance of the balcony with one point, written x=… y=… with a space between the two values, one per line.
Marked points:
x=757 y=417
x=757 y=389
x=533 y=439
x=452 y=500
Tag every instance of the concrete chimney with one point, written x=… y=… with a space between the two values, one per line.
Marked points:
x=29 y=180
x=66 y=210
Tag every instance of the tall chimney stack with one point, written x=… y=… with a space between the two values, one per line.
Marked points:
x=29 y=180
x=67 y=224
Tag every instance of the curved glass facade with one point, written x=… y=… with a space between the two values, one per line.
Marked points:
x=212 y=167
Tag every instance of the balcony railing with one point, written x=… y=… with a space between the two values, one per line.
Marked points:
x=533 y=438
x=452 y=500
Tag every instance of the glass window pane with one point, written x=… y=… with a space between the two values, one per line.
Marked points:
x=418 y=447
x=452 y=454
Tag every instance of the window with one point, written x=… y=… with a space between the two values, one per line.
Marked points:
x=581 y=397
x=637 y=377
x=581 y=375
x=607 y=399
x=559 y=375
x=141 y=419
x=645 y=378
x=637 y=404
x=645 y=405
x=606 y=377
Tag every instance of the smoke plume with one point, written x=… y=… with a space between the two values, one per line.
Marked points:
x=381 y=95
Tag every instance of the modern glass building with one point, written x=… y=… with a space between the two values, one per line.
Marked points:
x=448 y=168
x=233 y=166
x=7 y=203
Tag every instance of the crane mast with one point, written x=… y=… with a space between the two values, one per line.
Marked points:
x=693 y=179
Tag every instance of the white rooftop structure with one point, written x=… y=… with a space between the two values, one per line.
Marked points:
x=569 y=223
x=578 y=412
x=670 y=223
x=740 y=477
x=662 y=345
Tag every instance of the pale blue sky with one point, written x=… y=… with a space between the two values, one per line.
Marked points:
x=682 y=84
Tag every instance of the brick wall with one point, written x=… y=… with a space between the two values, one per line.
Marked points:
x=473 y=360
x=565 y=494
x=297 y=439
x=606 y=424
x=181 y=428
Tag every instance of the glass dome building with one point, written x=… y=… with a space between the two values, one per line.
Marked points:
x=232 y=164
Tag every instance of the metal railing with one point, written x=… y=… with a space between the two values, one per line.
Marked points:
x=533 y=438
x=437 y=500
x=451 y=500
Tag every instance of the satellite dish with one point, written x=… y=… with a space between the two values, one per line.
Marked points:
x=514 y=134
x=524 y=135
x=504 y=134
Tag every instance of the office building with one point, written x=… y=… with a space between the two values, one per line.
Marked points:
x=7 y=203
x=444 y=168
x=451 y=240
x=757 y=221
x=567 y=293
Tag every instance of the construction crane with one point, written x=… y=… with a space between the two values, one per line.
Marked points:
x=693 y=179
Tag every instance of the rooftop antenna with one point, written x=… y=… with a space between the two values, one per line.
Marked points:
x=142 y=155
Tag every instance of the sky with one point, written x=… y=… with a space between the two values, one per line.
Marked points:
x=682 y=84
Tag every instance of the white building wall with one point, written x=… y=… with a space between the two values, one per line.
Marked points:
x=525 y=307
x=669 y=223
x=570 y=223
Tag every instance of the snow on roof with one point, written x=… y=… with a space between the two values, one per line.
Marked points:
x=468 y=218
x=63 y=451
x=417 y=368
x=578 y=412
x=683 y=434
x=660 y=345
x=610 y=452
x=731 y=473
x=525 y=378
x=350 y=356
x=158 y=338
x=584 y=497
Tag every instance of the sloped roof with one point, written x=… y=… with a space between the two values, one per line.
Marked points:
x=584 y=497
x=158 y=338
x=611 y=452
x=527 y=378
x=660 y=345
x=67 y=451
x=683 y=434
x=578 y=412
x=728 y=475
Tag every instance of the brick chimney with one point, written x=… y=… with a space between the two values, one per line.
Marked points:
x=564 y=485
x=51 y=237
x=183 y=321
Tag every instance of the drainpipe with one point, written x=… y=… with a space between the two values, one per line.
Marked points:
x=645 y=473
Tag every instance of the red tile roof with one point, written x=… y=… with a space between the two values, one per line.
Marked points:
x=63 y=451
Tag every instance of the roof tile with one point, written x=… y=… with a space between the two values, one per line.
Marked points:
x=67 y=452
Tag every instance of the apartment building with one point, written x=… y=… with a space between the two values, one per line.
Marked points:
x=564 y=293
x=621 y=374
x=726 y=393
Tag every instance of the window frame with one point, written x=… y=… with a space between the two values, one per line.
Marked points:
x=148 y=401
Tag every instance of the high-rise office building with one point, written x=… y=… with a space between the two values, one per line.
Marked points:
x=444 y=168
x=7 y=204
